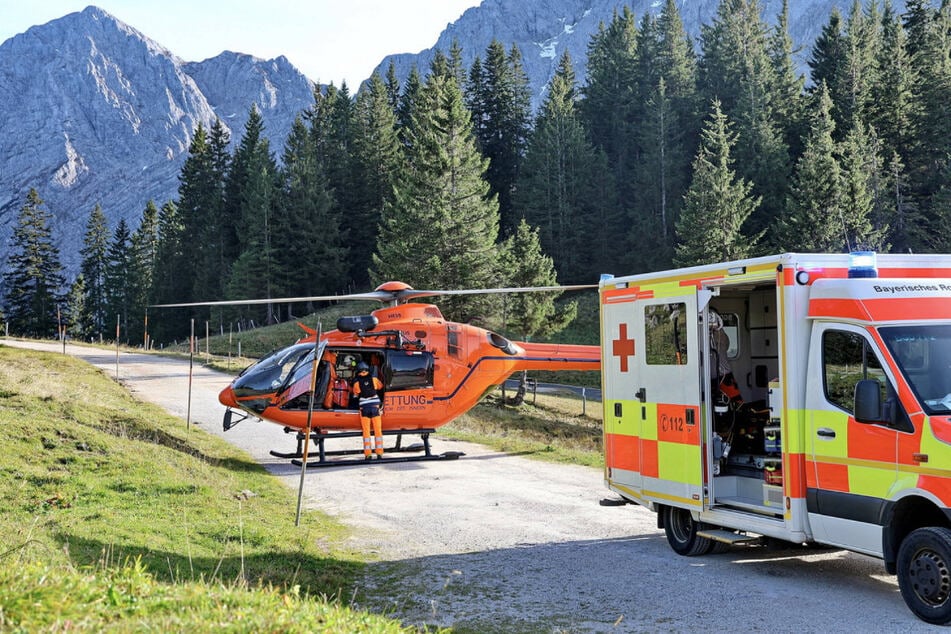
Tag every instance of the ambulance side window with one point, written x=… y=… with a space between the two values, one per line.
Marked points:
x=665 y=333
x=847 y=358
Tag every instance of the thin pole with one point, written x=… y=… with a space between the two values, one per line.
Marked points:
x=207 y=344
x=191 y=365
x=62 y=331
x=117 y=347
x=310 y=414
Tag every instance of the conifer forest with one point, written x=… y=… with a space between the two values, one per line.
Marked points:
x=674 y=152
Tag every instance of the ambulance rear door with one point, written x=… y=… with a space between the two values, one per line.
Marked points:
x=667 y=388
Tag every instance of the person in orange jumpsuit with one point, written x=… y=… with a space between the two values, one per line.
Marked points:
x=367 y=389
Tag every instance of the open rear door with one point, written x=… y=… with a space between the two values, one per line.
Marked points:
x=667 y=386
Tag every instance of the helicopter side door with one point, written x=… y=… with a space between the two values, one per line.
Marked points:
x=407 y=377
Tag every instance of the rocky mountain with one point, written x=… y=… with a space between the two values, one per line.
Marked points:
x=545 y=29
x=93 y=111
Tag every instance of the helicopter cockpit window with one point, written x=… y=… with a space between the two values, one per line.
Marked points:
x=408 y=370
x=270 y=373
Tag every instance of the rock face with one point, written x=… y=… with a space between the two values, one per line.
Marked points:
x=545 y=29
x=92 y=110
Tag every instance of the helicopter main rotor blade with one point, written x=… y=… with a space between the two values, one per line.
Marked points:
x=399 y=296
x=374 y=296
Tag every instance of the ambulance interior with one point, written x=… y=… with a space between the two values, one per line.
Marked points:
x=744 y=441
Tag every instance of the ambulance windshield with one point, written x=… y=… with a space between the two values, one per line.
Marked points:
x=923 y=353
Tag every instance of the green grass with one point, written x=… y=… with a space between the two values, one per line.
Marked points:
x=117 y=518
x=552 y=428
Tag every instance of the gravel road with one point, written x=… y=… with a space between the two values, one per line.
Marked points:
x=495 y=542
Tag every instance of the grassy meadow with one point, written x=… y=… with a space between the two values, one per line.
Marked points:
x=115 y=518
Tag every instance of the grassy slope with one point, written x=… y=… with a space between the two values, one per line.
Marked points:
x=116 y=518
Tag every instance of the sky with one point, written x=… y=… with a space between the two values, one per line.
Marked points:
x=327 y=40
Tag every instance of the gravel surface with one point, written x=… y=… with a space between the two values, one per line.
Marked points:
x=495 y=542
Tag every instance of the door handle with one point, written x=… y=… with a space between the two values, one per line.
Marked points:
x=825 y=432
x=641 y=395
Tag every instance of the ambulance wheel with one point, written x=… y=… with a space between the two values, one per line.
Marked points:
x=681 y=531
x=924 y=573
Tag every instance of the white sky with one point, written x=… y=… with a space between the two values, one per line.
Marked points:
x=327 y=40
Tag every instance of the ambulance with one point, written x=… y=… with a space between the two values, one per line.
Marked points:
x=799 y=397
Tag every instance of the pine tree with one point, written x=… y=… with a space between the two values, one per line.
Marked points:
x=717 y=203
x=815 y=220
x=932 y=63
x=168 y=286
x=200 y=207
x=864 y=190
x=93 y=267
x=252 y=188
x=667 y=128
x=737 y=69
x=788 y=102
x=142 y=256
x=74 y=316
x=312 y=259
x=118 y=287
x=559 y=190
x=893 y=108
x=526 y=265
x=501 y=116
x=440 y=231
x=606 y=109
x=33 y=276
x=409 y=100
x=375 y=157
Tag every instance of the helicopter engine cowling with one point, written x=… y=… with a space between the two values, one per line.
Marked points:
x=357 y=323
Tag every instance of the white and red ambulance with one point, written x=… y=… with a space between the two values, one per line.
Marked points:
x=800 y=397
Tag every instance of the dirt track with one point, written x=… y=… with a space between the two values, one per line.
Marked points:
x=496 y=542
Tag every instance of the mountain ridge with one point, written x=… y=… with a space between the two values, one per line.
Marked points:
x=94 y=111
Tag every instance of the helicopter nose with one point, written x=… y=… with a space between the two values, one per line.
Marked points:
x=227 y=397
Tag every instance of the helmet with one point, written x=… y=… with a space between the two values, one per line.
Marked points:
x=362 y=367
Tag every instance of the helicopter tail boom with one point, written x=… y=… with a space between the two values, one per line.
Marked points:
x=555 y=356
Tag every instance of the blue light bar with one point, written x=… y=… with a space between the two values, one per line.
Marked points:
x=862 y=264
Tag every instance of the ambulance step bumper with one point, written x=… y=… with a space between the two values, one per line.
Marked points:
x=727 y=537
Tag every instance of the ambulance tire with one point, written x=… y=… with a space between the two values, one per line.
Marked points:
x=681 y=530
x=924 y=573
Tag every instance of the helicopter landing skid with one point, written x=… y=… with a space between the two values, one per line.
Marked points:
x=319 y=437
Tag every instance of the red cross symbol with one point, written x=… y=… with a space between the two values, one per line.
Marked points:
x=623 y=347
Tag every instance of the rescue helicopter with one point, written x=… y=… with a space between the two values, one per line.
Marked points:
x=432 y=370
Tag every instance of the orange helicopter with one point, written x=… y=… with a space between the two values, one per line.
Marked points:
x=432 y=370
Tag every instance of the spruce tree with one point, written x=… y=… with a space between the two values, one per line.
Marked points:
x=606 y=109
x=33 y=276
x=118 y=283
x=142 y=256
x=312 y=258
x=501 y=116
x=93 y=266
x=440 y=230
x=864 y=190
x=718 y=203
x=815 y=220
x=168 y=285
x=375 y=156
x=526 y=265
x=892 y=111
x=788 y=102
x=560 y=190
x=737 y=69
x=666 y=128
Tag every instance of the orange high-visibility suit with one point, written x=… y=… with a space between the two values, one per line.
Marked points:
x=367 y=389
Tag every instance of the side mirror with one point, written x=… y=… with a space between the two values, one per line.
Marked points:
x=868 y=401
